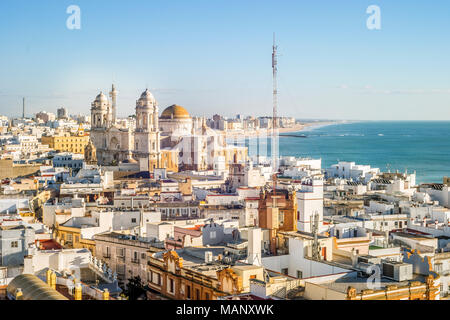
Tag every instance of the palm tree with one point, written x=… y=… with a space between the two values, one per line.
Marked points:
x=135 y=288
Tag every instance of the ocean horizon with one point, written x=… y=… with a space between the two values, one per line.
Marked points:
x=421 y=146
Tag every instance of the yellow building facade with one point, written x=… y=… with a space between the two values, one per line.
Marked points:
x=70 y=238
x=67 y=142
x=169 y=160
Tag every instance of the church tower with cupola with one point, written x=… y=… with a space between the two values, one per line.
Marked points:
x=147 y=134
x=111 y=141
x=100 y=112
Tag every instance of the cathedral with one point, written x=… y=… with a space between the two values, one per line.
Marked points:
x=174 y=140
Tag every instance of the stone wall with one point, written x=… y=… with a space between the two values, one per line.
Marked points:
x=10 y=170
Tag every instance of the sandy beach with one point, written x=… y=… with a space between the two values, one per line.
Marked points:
x=296 y=128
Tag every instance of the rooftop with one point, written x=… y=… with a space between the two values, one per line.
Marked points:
x=361 y=283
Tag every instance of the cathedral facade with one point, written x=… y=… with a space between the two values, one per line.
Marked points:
x=173 y=140
x=116 y=143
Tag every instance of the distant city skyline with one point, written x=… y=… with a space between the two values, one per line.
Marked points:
x=215 y=57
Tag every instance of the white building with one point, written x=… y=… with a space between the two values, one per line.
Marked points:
x=63 y=260
x=59 y=211
x=297 y=264
x=351 y=171
x=310 y=202
x=68 y=160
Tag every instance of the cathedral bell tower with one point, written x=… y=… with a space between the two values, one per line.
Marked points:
x=147 y=134
x=100 y=112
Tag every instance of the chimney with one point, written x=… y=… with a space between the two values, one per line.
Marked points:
x=208 y=257
x=78 y=292
x=254 y=246
x=106 y=294
x=49 y=276
x=53 y=280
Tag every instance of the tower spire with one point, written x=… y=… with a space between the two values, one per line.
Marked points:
x=274 y=145
x=113 y=95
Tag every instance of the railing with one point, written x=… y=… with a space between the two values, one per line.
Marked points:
x=155 y=262
x=102 y=270
x=280 y=293
x=95 y=293
x=135 y=261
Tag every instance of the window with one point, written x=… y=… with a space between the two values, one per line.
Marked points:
x=69 y=237
x=281 y=218
x=133 y=220
x=285 y=271
x=299 y=274
x=197 y=294
x=120 y=252
x=253 y=276
x=14 y=244
x=171 y=286
x=188 y=292
x=155 y=278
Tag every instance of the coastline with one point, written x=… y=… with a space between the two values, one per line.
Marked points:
x=299 y=127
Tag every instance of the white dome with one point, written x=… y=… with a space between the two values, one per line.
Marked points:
x=147 y=99
x=101 y=98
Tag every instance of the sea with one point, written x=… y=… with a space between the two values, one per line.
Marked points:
x=419 y=146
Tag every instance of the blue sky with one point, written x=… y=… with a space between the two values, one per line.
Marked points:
x=215 y=56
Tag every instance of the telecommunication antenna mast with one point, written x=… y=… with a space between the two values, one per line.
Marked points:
x=23 y=108
x=274 y=145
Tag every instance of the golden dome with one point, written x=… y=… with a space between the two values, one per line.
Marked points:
x=175 y=112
